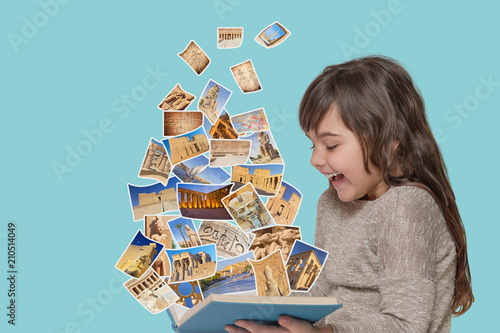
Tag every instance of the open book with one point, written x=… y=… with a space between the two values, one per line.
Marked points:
x=216 y=311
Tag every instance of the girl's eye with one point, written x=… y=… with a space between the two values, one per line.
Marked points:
x=312 y=147
x=331 y=147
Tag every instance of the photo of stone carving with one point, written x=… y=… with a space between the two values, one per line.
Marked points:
x=153 y=293
x=229 y=239
x=196 y=170
x=247 y=209
x=246 y=77
x=189 y=293
x=155 y=164
x=156 y=228
x=181 y=122
x=199 y=201
x=229 y=38
x=284 y=206
x=233 y=275
x=186 y=146
x=139 y=255
x=264 y=149
x=184 y=232
x=304 y=265
x=270 y=275
x=153 y=199
x=229 y=152
x=191 y=264
x=268 y=240
x=194 y=56
x=265 y=178
x=177 y=99
x=273 y=35
x=213 y=100
x=251 y=121
x=222 y=129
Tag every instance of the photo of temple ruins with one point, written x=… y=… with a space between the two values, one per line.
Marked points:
x=186 y=146
x=233 y=275
x=195 y=57
x=304 y=265
x=273 y=35
x=229 y=38
x=177 y=99
x=264 y=149
x=189 y=293
x=284 y=206
x=184 y=232
x=197 y=170
x=152 y=292
x=153 y=199
x=213 y=99
x=229 y=152
x=251 y=121
x=229 y=239
x=139 y=255
x=156 y=164
x=246 y=77
x=156 y=228
x=247 y=209
x=199 y=201
x=222 y=129
x=270 y=239
x=192 y=263
x=181 y=122
x=271 y=276
x=265 y=178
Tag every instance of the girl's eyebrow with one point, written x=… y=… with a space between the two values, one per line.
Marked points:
x=322 y=135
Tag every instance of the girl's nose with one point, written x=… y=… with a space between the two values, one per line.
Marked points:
x=317 y=159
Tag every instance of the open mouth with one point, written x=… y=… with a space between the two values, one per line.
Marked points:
x=336 y=178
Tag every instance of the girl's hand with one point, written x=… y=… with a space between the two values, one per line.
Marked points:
x=286 y=325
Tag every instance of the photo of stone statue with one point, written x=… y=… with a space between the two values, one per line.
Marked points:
x=176 y=99
x=184 y=232
x=264 y=149
x=270 y=239
x=270 y=275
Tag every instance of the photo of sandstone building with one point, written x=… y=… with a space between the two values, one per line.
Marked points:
x=194 y=56
x=229 y=239
x=246 y=77
x=273 y=35
x=228 y=38
x=266 y=179
x=189 y=293
x=247 y=209
x=229 y=152
x=153 y=199
x=223 y=129
x=156 y=228
x=181 y=122
x=187 y=146
x=156 y=164
x=285 y=205
x=270 y=275
x=304 y=265
x=270 y=239
x=192 y=264
x=177 y=99
x=138 y=256
x=251 y=121
x=264 y=149
x=199 y=201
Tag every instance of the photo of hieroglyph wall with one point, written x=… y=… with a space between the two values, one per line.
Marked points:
x=177 y=123
x=303 y=269
x=187 y=266
x=156 y=164
x=155 y=203
x=177 y=99
x=194 y=56
x=270 y=276
x=246 y=77
x=223 y=129
x=270 y=239
x=262 y=180
x=229 y=37
x=137 y=259
x=183 y=148
x=282 y=211
x=230 y=240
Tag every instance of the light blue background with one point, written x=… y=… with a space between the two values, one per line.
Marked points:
x=67 y=77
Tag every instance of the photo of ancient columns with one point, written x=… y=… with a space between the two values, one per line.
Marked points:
x=265 y=178
x=186 y=146
x=195 y=57
x=199 y=201
x=304 y=265
x=270 y=239
x=184 y=232
x=156 y=164
x=189 y=293
x=264 y=149
x=246 y=77
x=229 y=239
x=251 y=121
x=156 y=228
x=222 y=129
x=270 y=275
x=197 y=170
x=213 y=99
x=176 y=99
x=229 y=38
x=272 y=35
x=181 y=122
x=192 y=263
x=229 y=152
x=284 y=206
x=153 y=199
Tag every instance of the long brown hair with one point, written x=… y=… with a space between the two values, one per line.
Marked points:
x=378 y=101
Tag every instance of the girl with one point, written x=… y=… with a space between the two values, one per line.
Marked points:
x=398 y=253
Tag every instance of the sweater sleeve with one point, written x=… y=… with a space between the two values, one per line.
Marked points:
x=406 y=256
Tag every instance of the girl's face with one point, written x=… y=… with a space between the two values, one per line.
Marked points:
x=338 y=155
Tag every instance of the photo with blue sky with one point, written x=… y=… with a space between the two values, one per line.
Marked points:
x=254 y=150
x=222 y=97
x=209 y=249
x=289 y=191
x=172 y=224
x=134 y=190
x=300 y=246
x=213 y=175
x=189 y=135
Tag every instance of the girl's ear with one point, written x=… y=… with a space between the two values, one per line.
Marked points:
x=395 y=145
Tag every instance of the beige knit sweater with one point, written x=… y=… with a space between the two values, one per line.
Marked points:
x=391 y=262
